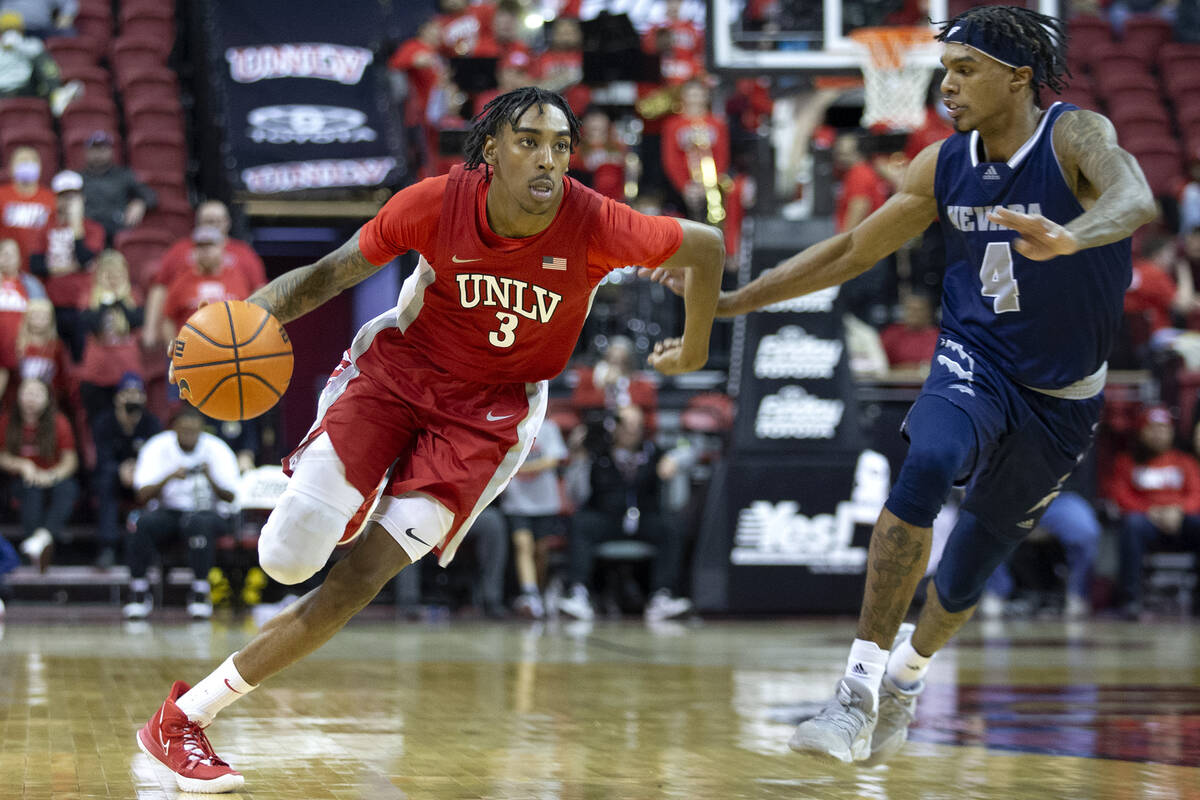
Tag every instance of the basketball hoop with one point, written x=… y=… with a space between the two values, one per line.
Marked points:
x=896 y=74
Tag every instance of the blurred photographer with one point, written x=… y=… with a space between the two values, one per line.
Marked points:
x=185 y=478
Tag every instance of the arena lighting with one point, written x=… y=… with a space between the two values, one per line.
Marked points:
x=535 y=20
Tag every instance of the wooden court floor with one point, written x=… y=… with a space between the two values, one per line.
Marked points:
x=617 y=711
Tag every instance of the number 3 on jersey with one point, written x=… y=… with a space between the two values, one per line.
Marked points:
x=996 y=275
x=505 y=336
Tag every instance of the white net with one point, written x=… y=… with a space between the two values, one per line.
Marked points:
x=896 y=75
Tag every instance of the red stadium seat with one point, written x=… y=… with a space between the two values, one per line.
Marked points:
x=1135 y=104
x=1117 y=75
x=143 y=248
x=156 y=9
x=94 y=28
x=1173 y=53
x=1162 y=162
x=1082 y=99
x=154 y=118
x=25 y=112
x=91 y=114
x=1188 y=116
x=171 y=214
x=136 y=55
x=70 y=52
x=156 y=29
x=1135 y=129
x=160 y=84
x=1182 y=80
x=40 y=139
x=96 y=80
x=1086 y=33
x=158 y=151
x=1145 y=34
x=1107 y=55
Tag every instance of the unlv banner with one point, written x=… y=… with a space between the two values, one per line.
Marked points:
x=305 y=100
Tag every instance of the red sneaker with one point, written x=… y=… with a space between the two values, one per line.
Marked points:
x=181 y=745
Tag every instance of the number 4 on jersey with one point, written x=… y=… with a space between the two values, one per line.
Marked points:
x=996 y=275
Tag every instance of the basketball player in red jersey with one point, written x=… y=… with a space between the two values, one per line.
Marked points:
x=436 y=403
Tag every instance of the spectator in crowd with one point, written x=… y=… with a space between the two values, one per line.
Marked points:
x=60 y=260
x=1071 y=520
x=910 y=343
x=184 y=478
x=863 y=188
x=25 y=205
x=27 y=70
x=618 y=487
x=560 y=67
x=463 y=26
x=119 y=432
x=39 y=448
x=44 y=18
x=180 y=259
x=423 y=69
x=685 y=35
x=1156 y=488
x=108 y=318
x=244 y=439
x=613 y=383
x=1152 y=292
x=16 y=290
x=600 y=159
x=695 y=150
x=112 y=194
x=504 y=37
x=512 y=72
x=208 y=280
x=41 y=354
x=533 y=504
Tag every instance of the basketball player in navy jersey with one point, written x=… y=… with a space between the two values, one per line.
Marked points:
x=1037 y=206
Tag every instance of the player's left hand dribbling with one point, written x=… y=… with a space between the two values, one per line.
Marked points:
x=669 y=359
x=1041 y=239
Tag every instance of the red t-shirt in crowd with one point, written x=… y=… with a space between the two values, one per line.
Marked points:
x=500 y=310
x=24 y=218
x=57 y=243
x=462 y=32
x=191 y=290
x=238 y=256
x=906 y=347
x=933 y=129
x=64 y=441
x=566 y=64
x=680 y=136
x=14 y=298
x=1169 y=479
x=1151 y=290
x=422 y=77
x=861 y=180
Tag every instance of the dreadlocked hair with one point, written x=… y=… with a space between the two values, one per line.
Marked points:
x=1045 y=37
x=506 y=110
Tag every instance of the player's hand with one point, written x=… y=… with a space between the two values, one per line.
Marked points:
x=670 y=278
x=1041 y=239
x=668 y=358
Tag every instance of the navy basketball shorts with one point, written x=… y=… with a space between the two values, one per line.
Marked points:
x=1027 y=443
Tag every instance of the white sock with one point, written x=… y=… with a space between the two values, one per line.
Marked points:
x=907 y=667
x=224 y=685
x=867 y=663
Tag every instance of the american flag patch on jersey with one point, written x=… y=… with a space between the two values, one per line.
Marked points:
x=553 y=263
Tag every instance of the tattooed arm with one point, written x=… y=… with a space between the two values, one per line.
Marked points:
x=1106 y=179
x=298 y=291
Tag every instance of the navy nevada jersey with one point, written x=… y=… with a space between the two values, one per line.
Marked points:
x=1046 y=324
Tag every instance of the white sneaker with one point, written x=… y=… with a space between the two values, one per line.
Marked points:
x=529 y=604
x=897 y=710
x=842 y=730
x=199 y=606
x=577 y=604
x=139 y=607
x=991 y=606
x=663 y=605
x=38 y=547
x=1077 y=607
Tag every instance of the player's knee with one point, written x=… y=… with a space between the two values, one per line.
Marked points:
x=958 y=592
x=924 y=482
x=299 y=536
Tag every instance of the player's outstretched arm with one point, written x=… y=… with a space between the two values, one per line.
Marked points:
x=296 y=292
x=701 y=254
x=838 y=259
x=1087 y=149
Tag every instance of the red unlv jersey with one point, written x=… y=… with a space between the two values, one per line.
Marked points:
x=497 y=310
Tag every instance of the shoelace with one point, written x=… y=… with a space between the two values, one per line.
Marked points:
x=841 y=712
x=197 y=746
x=907 y=705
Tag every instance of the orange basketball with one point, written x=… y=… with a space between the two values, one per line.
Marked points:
x=232 y=360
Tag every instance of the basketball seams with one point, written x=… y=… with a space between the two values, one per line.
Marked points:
x=266 y=318
x=237 y=365
x=281 y=354
x=265 y=383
